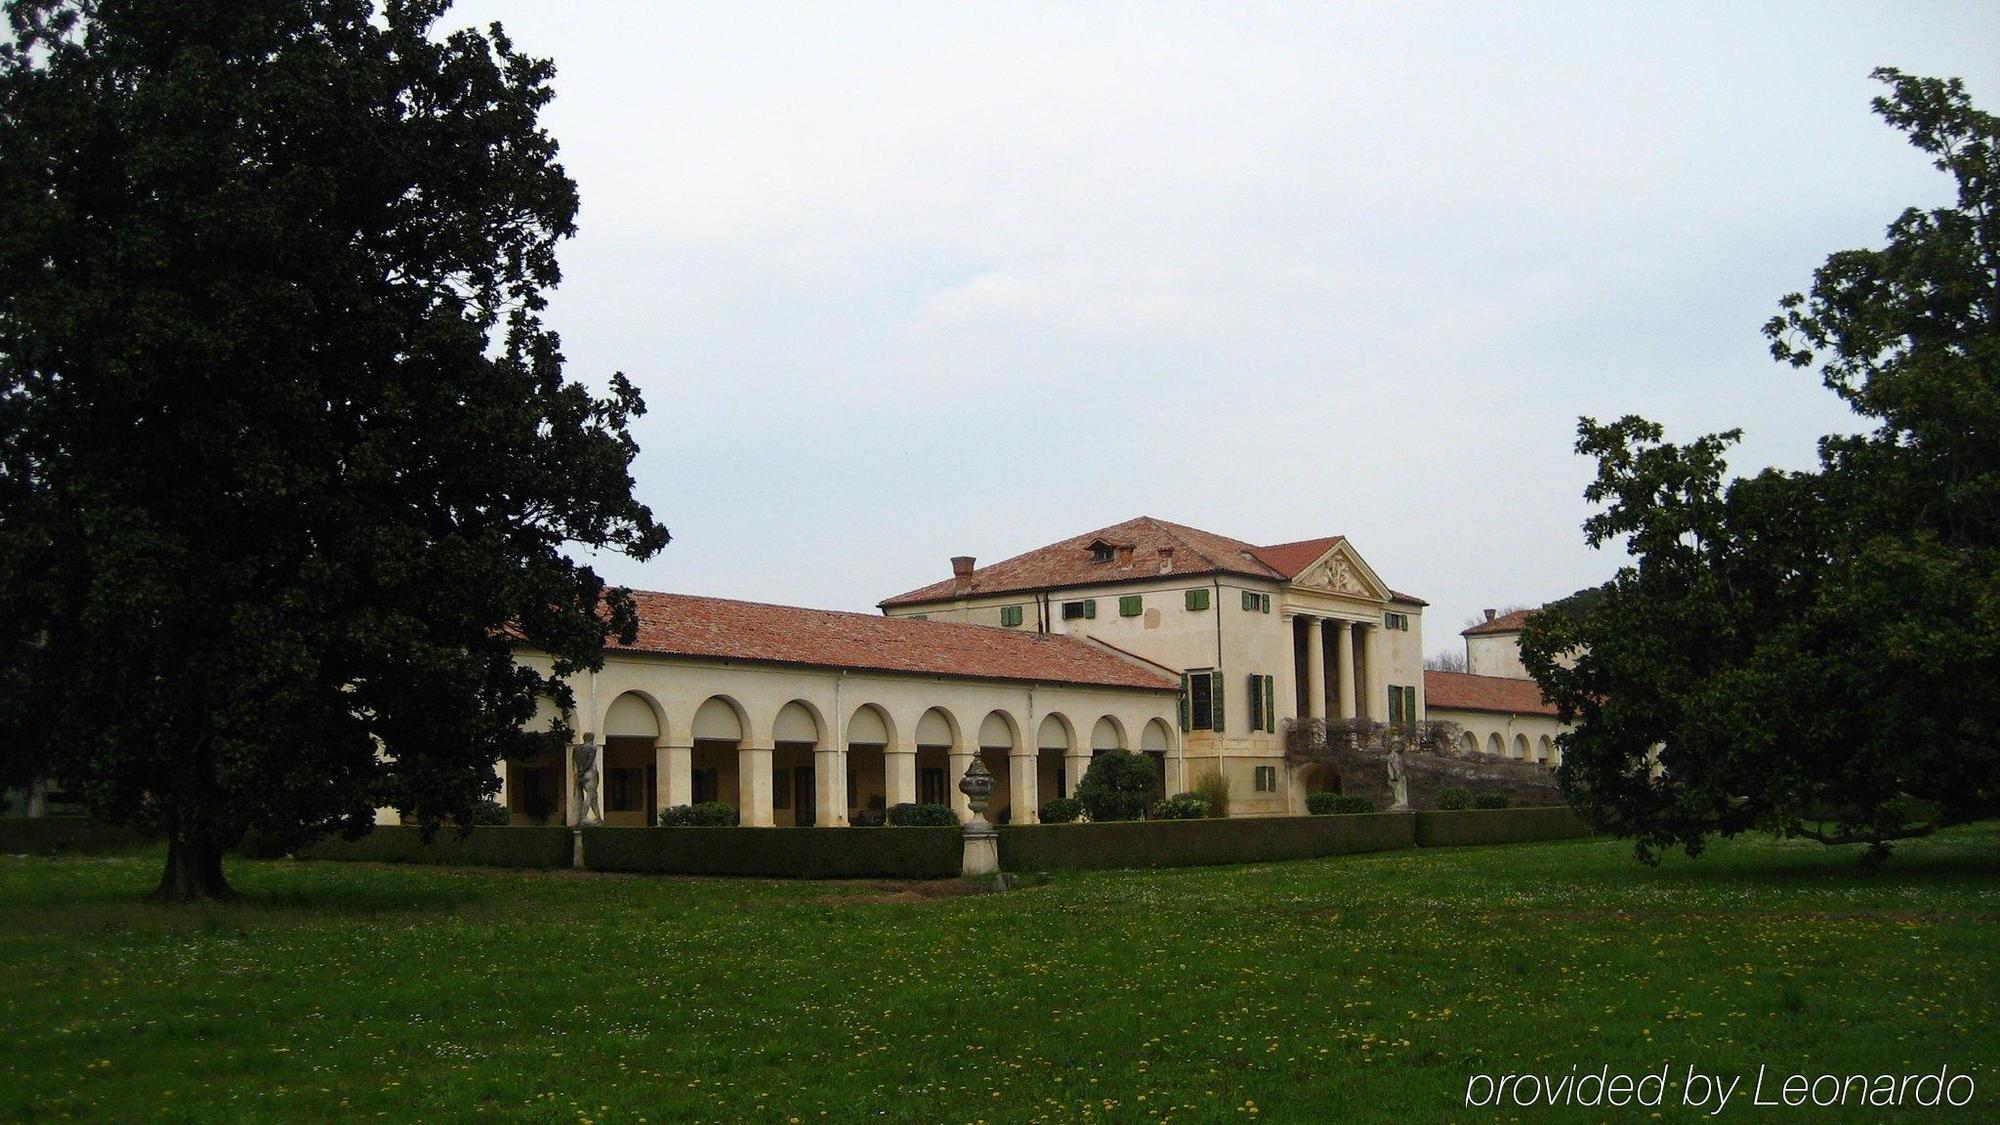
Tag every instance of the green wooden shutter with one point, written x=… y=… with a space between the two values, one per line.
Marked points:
x=1131 y=605
x=1256 y=701
x=1184 y=701
x=1270 y=709
x=1215 y=705
x=1090 y=607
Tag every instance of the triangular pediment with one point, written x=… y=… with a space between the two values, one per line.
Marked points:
x=1342 y=571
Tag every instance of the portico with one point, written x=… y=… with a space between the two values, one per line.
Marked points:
x=1351 y=648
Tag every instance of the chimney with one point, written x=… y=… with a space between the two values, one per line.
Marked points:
x=1489 y=615
x=961 y=567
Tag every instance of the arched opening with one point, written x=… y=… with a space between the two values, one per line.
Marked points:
x=1052 y=745
x=718 y=733
x=1321 y=778
x=937 y=733
x=1468 y=741
x=868 y=736
x=1544 y=751
x=1521 y=747
x=996 y=745
x=795 y=735
x=537 y=792
x=628 y=784
x=1494 y=746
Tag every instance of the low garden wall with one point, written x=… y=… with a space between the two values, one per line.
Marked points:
x=1193 y=843
x=1437 y=828
x=783 y=853
x=68 y=835
x=482 y=847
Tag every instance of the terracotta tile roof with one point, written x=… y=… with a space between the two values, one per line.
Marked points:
x=683 y=625
x=1505 y=623
x=1143 y=548
x=1457 y=691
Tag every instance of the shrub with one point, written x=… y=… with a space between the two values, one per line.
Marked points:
x=1117 y=785
x=489 y=814
x=1182 y=806
x=868 y=818
x=1213 y=788
x=1453 y=797
x=708 y=814
x=1491 y=801
x=1062 y=810
x=1328 y=804
x=907 y=815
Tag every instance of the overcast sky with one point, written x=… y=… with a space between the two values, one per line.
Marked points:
x=907 y=281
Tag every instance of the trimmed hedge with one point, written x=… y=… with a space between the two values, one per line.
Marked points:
x=1439 y=828
x=787 y=853
x=1192 y=843
x=484 y=847
x=66 y=835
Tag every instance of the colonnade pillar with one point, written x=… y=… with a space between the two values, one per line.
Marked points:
x=753 y=784
x=1343 y=651
x=1315 y=670
x=829 y=787
x=1023 y=767
x=1374 y=671
x=899 y=775
x=673 y=775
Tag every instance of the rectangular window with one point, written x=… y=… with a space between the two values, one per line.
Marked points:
x=1131 y=605
x=1087 y=608
x=1402 y=704
x=1010 y=615
x=1267 y=779
x=707 y=785
x=1396 y=621
x=930 y=787
x=1254 y=602
x=626 y=786
x=1201 y=701
x=781 y=787
x=1197 y=599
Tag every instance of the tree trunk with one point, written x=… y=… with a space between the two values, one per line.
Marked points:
x=194 y=873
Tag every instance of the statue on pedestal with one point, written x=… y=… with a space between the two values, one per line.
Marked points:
x=585 y=754
x=1399 y=781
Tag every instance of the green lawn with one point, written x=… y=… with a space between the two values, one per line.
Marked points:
x=1364 y=987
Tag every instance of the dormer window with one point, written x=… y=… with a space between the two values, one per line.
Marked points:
x=1100 y=552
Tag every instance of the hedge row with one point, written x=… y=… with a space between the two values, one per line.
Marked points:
x=1438 y=828
x=482 y=847
x=1191 y=843
x=71 y=835
x=788 y=853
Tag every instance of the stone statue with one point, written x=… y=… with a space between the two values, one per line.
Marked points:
x=1399 y=779
x=586 y=781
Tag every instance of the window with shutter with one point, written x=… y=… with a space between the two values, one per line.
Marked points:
x=1197 y=599
x=1090 y=608
x=1215 y=682
x=1010 y=615
x=1256 y=702
x=1270 y=711
x=1131 y=605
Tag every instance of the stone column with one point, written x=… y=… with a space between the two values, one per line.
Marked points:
x=829 y=787
x=1343 y=651
x=899 y=774
x=1076 y=763
x=961 y=760
x=1315 y=670
x=753 y=785
x=1286 y=691
x=1375 y=670
x=673 y=775
x=1024 y=767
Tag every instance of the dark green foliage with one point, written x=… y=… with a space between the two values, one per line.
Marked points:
x=475 y=847
x=1489 y=801
x=907 y=815
x=1185 y=843
x=798 y=853
x=868 y=818
x=1062 y=810
x=707 y=814
x=1813 y=653
x=1117 y=785
x=488 y=814
x=1181 y=806
x=66 y=835
x=288 y=464
x=1454 y=797
x=1437 y=828
x=1328 y=804
x=1213 y=787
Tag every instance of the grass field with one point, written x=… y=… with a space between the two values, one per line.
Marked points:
x=1359 y=988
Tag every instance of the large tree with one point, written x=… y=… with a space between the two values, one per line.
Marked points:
x=1815 y=653
x=288 y=462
